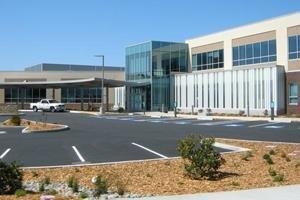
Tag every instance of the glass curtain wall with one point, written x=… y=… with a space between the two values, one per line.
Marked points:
x=167 y=57
x=152 y=63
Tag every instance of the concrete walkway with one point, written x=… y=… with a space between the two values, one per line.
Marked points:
x=291 y=192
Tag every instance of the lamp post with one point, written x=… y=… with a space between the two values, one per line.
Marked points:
x=101 y=109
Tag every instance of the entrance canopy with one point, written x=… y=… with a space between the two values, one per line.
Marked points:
x=89 y=82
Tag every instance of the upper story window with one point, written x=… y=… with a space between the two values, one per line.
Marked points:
x=293 y=94
x=294 y=47
x=208 y=60
x=260 y=52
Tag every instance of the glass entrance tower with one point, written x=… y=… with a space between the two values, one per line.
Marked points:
x=151 y=64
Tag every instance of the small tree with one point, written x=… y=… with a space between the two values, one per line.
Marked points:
x=201 y=159
x=10 y=178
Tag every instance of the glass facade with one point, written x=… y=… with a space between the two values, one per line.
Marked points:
x=152 y=63
x=293 y=94
x=73 y=95
x=28 y=95
x=260 y=52
x=294 y=47
x=208 y=60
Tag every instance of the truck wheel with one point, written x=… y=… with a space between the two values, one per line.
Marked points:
x=52 y=109
x=35 y=109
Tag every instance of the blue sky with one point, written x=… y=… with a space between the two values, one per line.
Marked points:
x=72 y=31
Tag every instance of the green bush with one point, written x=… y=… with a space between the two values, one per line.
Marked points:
x=121 y=110
x=203 y=160
x=71 y=181
x=272 y=152
x=34 y=174
x=268 y=159
x=278 y=178
x=46 y=180
x=83 y=195
x=20 y=192
x=51 y=192
x=41 y=187
x=272 y=172
x=15 y=120
x=101 y=186
x=121 y=187
x=75 y=186
x=10 y=178
x=247 y=155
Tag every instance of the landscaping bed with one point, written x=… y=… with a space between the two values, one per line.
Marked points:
x=167 y=177
x=33 y=126
x=268 y=164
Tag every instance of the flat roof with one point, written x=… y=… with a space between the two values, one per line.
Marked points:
x=89 y=82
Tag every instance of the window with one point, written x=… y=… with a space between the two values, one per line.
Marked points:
x=73 y=95
x=208 y=60
x=28 y=95
x=259 y=52
x=293 y=96
x=294 y=47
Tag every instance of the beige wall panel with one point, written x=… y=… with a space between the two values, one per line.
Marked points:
x=295 y=30
x=209 y=47
x=2 y=95
x=254 y=38
x=294 y=65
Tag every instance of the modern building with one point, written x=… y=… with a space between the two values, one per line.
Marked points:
x=83 y=95
x=153 y=64
x=247 y=69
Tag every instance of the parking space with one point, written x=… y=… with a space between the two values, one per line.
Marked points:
x=113 y=138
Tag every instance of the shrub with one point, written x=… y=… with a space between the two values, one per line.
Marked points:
x=234 y=183
x=70 y=181
x=10 y=178
x=272 y=152
x=15 y=120
x=101 y=186
x=266 y=112
x=121 y=188
x=278 y=178
x=272 y=172
x=283 y=155
x=268 y=159
x=20 y=192
x=287 y=159
x=121 y=110
x=75 y=186
x=46 y=180
x=51 y=192
x=41 y=187
x=241 y=112
x=247 y=155
x=83 y=195
x=34 y=174
x=203 y=160
x=297 y=164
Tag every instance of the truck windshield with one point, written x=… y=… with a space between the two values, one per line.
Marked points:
x=53 y=101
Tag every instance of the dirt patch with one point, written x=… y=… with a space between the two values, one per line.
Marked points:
x=167 y=177
x=34 y=125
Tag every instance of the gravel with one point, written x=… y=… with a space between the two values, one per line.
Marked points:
x=64 y=190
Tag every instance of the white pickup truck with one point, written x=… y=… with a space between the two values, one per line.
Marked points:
x=47 y=104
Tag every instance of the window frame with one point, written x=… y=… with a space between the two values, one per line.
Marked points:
x=294 y=96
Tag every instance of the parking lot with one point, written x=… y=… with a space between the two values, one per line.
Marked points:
x=111 y=138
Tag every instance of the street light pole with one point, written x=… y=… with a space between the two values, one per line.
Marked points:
x=101 y=109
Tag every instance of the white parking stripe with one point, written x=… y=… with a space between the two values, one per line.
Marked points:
x=145 y=148
x=78 y=154
x=273 y=127
x=2 y=132
x=4 y=154
x=265 y=124
x=219 y=123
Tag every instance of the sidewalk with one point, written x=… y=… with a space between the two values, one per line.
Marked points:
x=171 y=114
x=291 y=192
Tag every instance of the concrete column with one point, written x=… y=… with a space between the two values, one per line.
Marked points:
x=81 y=98
x=107 y=98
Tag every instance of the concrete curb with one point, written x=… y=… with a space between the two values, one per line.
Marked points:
x=65 y=127
x=11 y=114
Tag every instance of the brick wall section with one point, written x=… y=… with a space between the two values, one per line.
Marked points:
x=290 y=78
